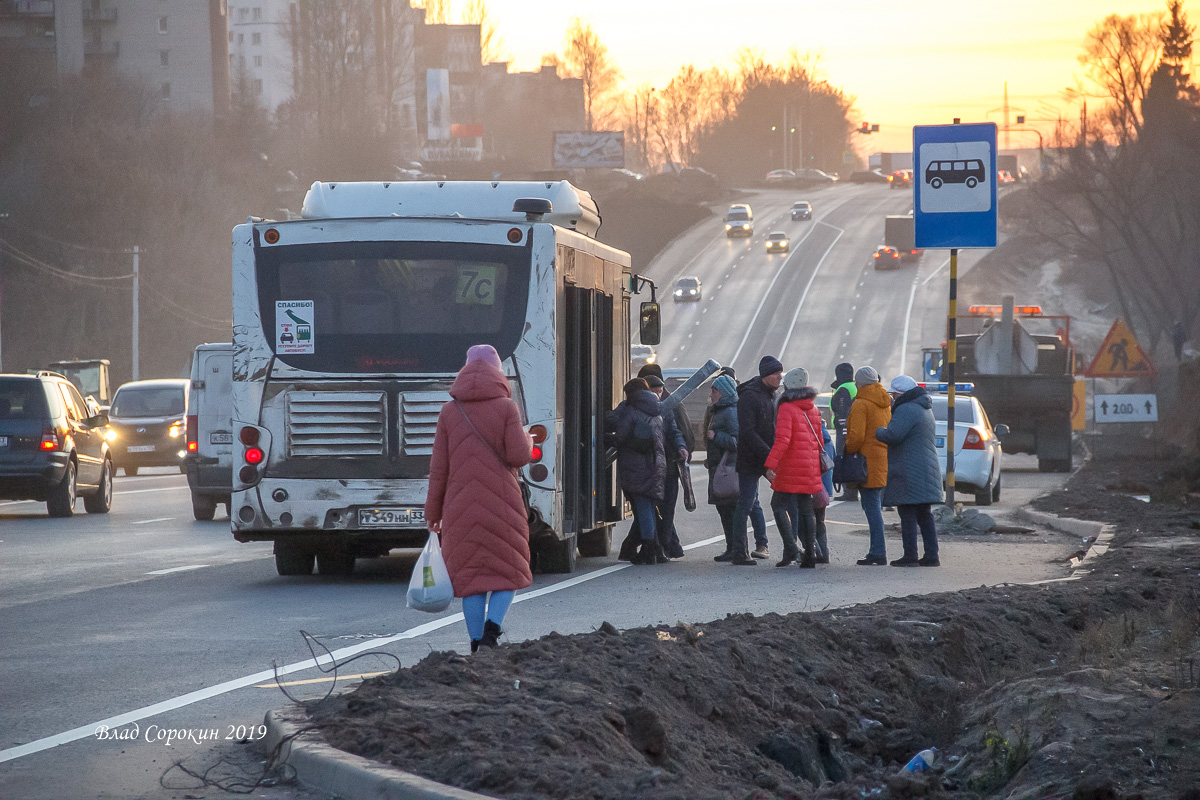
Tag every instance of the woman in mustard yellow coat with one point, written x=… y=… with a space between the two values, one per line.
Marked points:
x=872 y=408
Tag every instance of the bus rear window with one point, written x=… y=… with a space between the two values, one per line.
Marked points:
x=391 y=306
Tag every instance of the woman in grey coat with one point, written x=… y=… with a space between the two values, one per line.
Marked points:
x=914 y=480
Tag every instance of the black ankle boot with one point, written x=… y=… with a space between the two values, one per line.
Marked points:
x=474 y=645
x=491 y=634
x=645 y=554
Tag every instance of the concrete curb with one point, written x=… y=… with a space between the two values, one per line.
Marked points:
x=1097 y=534
x=321 y=766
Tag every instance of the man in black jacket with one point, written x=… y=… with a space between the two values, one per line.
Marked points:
x=756 y=436
x=844 y=390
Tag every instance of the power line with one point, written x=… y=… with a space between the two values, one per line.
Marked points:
x=45 y=237
x=33 y=262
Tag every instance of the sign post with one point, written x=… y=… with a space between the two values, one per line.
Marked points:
x=954 y=206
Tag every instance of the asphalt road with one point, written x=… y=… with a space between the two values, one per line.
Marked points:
x=147 y=618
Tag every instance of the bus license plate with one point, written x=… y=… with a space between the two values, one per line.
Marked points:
x=140 y=448
x=939 y=441
x=220 y=438
x=390 y=517
x=3 y=441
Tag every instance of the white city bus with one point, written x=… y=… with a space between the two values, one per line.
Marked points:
x=350 y=324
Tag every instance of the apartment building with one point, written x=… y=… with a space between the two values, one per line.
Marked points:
x=177 y=47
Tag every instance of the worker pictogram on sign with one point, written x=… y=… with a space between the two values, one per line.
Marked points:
x=1120 y=356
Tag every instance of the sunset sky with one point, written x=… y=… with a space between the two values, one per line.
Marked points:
x=907 y=63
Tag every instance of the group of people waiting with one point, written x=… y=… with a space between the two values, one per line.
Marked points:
x=752 y=433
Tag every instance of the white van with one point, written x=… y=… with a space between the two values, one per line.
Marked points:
x=210 y=429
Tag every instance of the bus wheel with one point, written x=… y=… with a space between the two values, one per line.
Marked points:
x=558 y=556
x=291 y=560
x=596 y=543
x=339 y=563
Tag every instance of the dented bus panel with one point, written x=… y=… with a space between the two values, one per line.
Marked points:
x=349 y=329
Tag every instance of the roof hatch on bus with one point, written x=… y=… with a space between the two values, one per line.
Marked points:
x=573 y=208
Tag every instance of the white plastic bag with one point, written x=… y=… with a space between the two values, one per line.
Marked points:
x=429 y=588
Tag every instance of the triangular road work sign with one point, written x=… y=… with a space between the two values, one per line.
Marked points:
x=1120 y=356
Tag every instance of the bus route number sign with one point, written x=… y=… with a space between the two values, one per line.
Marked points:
x=295 y=333
x=476 y=285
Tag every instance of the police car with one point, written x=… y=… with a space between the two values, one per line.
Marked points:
x=977 y=450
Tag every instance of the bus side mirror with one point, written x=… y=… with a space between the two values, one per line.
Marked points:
x=651 y=328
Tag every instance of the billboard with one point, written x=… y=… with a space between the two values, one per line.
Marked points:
x=437 y=103
x=574 y=149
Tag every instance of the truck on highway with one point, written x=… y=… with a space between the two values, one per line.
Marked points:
x=898 y=232
x=350 y=325
x=1009 y=164
x=90 y=376
x=887 y=163
x=1022 y=365
x=210 y=429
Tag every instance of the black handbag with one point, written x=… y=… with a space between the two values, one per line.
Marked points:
x=850 y=469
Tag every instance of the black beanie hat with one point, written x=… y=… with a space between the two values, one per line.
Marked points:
x=650 y=369
x=769 y=365
x=843 y=373
x=635 y=385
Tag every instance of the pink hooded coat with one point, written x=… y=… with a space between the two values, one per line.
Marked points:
x=485 y=532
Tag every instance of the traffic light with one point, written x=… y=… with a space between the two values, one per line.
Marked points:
x=1020 y=119
x=865 y=127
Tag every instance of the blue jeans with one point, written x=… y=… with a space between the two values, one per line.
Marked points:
x=643 y=515
x=477 y=606
x=747 y=505
x=872 y=506
x=912 y=518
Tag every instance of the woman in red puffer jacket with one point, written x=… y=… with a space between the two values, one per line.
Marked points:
x=474 y=500
x=794 y=468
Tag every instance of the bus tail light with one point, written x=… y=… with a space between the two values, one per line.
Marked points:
x=248 y=436
x=192 y=424
x=974 y=440
x=254 y=455
x=255 y=445
x=538 y=433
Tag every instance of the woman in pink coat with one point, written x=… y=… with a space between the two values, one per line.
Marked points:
x=474 y=500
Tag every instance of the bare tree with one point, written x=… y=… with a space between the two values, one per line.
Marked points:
x=640 y=122
x=491 y=46
x=586 y=57
x=437 y=12
x=1119 y=56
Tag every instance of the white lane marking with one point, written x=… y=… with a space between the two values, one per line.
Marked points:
x=117 y=721
x=771 y=285
x=148 y=521
x=904 y=336
x=804 y=295
x=177 y=569
x=132 y=491
x=690 y=336
x=945 y=264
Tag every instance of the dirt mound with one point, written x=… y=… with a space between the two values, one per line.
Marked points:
x=1087 y=685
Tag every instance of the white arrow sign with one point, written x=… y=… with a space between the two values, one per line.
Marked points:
x=1125 y=407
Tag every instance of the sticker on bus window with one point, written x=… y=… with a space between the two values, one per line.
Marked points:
x=476 y=285
x=295 y=333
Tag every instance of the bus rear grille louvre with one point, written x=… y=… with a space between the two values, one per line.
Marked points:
x=418 y=421
x=336 y=424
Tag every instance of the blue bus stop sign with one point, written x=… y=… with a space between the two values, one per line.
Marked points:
x=954 y=174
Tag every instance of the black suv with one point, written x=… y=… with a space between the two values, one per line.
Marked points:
x=52 y=447
x=148 y=420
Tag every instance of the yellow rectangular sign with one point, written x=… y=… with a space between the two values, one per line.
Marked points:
x=1079 y=404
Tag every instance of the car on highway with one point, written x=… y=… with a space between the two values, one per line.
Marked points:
x=209 y=459
x=687 y=290
x=148 y=424
x=1004 y=176
x=778 y=242
x=739 y=220
x=886 y=257
x=815 y=176
x=868 y=176
x=802 y=210
x=52 y=445
x=977 y=450
x=901 y=179
x=780 y=176
x=640 y=355
x=696 y=403
x=823 y=403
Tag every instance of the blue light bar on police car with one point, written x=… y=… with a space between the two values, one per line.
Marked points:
x=961 y=388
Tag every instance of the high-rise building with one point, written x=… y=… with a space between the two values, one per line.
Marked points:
x=177 y=47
